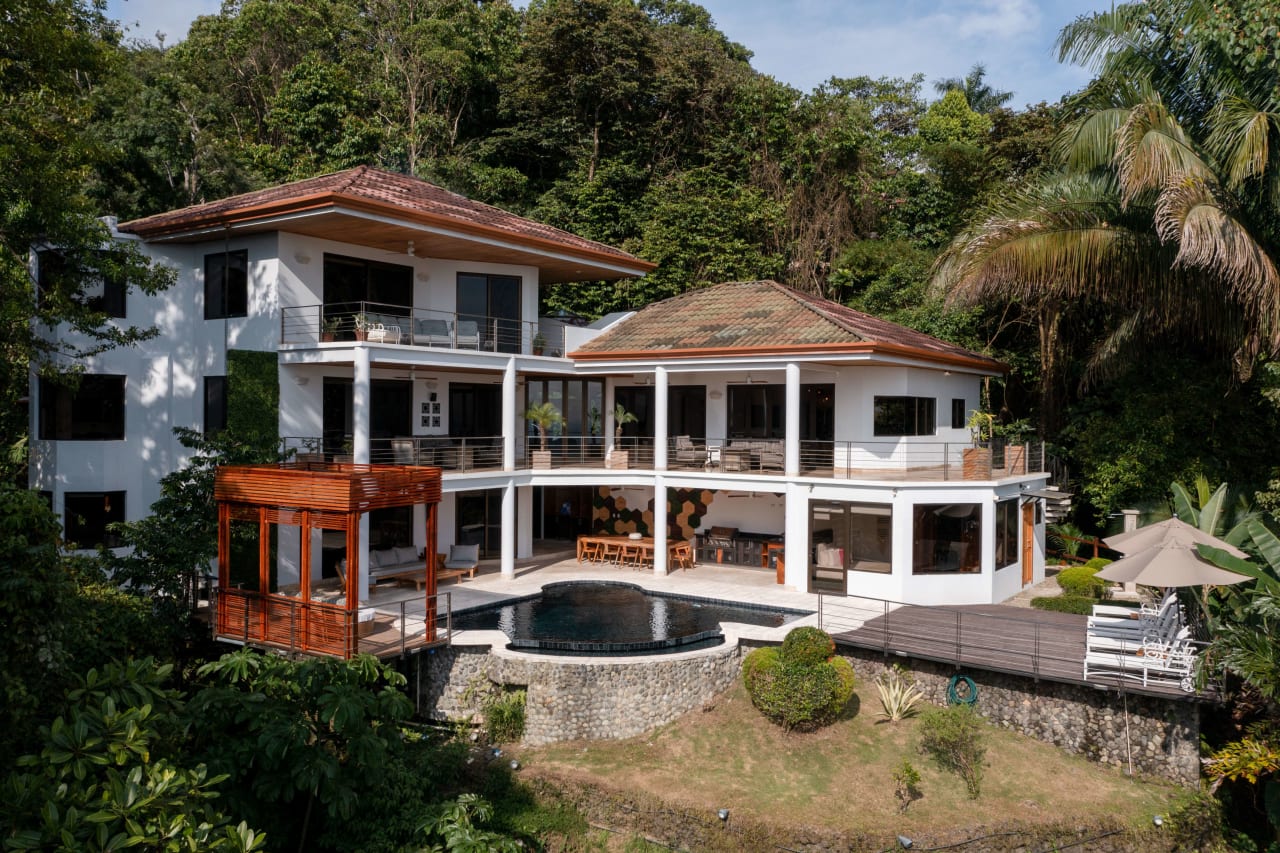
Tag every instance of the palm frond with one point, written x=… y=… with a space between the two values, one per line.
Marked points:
x=1151 y=147
x=1242 y=139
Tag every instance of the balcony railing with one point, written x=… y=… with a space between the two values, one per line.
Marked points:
x=401 y=325
x=277 y=621
x=840 y=460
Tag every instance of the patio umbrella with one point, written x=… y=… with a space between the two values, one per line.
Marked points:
x=1134 y=541
x=1173 y=561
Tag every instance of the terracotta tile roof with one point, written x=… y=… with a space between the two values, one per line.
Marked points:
x=366 y=185
x=764 y=317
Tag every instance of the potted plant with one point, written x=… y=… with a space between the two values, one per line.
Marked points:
x=544 y=416
x=976 y=460
x=539 y=343
x=329 y=328
x=361 y=321
x=617 y=457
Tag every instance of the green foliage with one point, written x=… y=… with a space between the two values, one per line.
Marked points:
x=253 y=397
x=807 y=646
x=293 y=737
x=36 y=607
x=502 y=709
x=1064 y=537
x=1065 y=604
x=545 y=416
x=110 y=775
x=906 y=785
x=953 y=736
x=799 y=686
x=1082 y=582
x=1095 y=563
x=458 y=826
x=899 y=695
x=170 y=549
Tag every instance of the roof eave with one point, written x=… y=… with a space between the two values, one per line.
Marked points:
x=869 y=348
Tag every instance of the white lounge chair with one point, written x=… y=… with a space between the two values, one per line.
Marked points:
x=431 y=332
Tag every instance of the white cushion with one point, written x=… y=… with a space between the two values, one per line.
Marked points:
x=407 y=554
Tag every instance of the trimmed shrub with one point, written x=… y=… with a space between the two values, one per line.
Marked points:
x=1065 y=604
x=760 y=660
x=791 y=689
x=953 y=736
x=808 y=646
x=1082 y=581
x=1097 y=563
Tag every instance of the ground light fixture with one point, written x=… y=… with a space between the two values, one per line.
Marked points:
x=905 y=843
x=723 y=814
x=515 y=765
x=1158 y=821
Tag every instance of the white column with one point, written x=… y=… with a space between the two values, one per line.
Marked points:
x=660 y=523
x=796 y=526
x=659 y=420
x=360 y=407
x=508 y=538
x=609 y=403
x=363 y=584
x=509 y=416
x=792 y=459
x=524 y=522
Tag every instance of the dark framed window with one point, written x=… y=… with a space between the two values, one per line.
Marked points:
x=86 y=516
x=93 y=411
x=95 y=286
x=215 y=404
x=906 y=416
x=958 y=420
x=947 y=538
x=352 y=285
x=226 y=285
x=492 y=302
x=1006 y=533
x=861 y=535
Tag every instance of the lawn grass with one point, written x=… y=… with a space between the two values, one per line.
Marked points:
x=841 y=778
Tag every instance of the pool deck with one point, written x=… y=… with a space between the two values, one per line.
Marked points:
x=1000 y=638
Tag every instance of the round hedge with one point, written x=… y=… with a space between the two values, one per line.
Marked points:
x=1082 y=581
x=801 y=686
x=808 y=645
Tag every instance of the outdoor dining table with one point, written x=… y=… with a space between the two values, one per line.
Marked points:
x=623 y=542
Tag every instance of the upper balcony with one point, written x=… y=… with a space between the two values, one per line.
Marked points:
x=836 y=460
x=401 y=325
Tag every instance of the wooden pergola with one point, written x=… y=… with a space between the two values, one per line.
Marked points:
x=312 y=496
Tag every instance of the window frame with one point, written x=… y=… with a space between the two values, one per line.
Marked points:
x=215 y=405
x=226 y=295
x=74 y=527
x=1007 y=552
x=958 y=419
x=918 y=415
x=62 y=413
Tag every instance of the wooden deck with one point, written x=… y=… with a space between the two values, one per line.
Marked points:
x=996 y=638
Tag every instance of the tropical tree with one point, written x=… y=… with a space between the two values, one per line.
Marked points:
x=1213 y=511
x=976 y=90
x=621 y=417
x=545 y=416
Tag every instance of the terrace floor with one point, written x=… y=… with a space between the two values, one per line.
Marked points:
x=998 y=638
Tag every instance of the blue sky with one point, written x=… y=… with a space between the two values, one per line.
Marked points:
x=808 y=41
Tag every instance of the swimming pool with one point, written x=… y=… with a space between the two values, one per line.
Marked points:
x=612 y=618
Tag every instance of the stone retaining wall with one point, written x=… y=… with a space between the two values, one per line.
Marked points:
x=1160 y=736
x=577 y=697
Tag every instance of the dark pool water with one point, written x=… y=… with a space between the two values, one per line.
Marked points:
x=604 y=618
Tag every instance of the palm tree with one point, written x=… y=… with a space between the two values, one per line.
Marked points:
x=1159 y=218
x=621 y=417
x=544 y=416
x=981 y=97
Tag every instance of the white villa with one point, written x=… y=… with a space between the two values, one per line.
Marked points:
x=772 y=429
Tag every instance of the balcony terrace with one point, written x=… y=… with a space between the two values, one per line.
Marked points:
x=838 y=460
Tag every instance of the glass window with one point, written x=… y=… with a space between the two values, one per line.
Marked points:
x=858 y=535
x=93 y=411
x=958 y=420
x=905 y=416
x=96 y=289
x=1006 y=533
x=492 y=302
x=226 y=285
x=947 y=538
x=87 y=515
x=215 y=404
